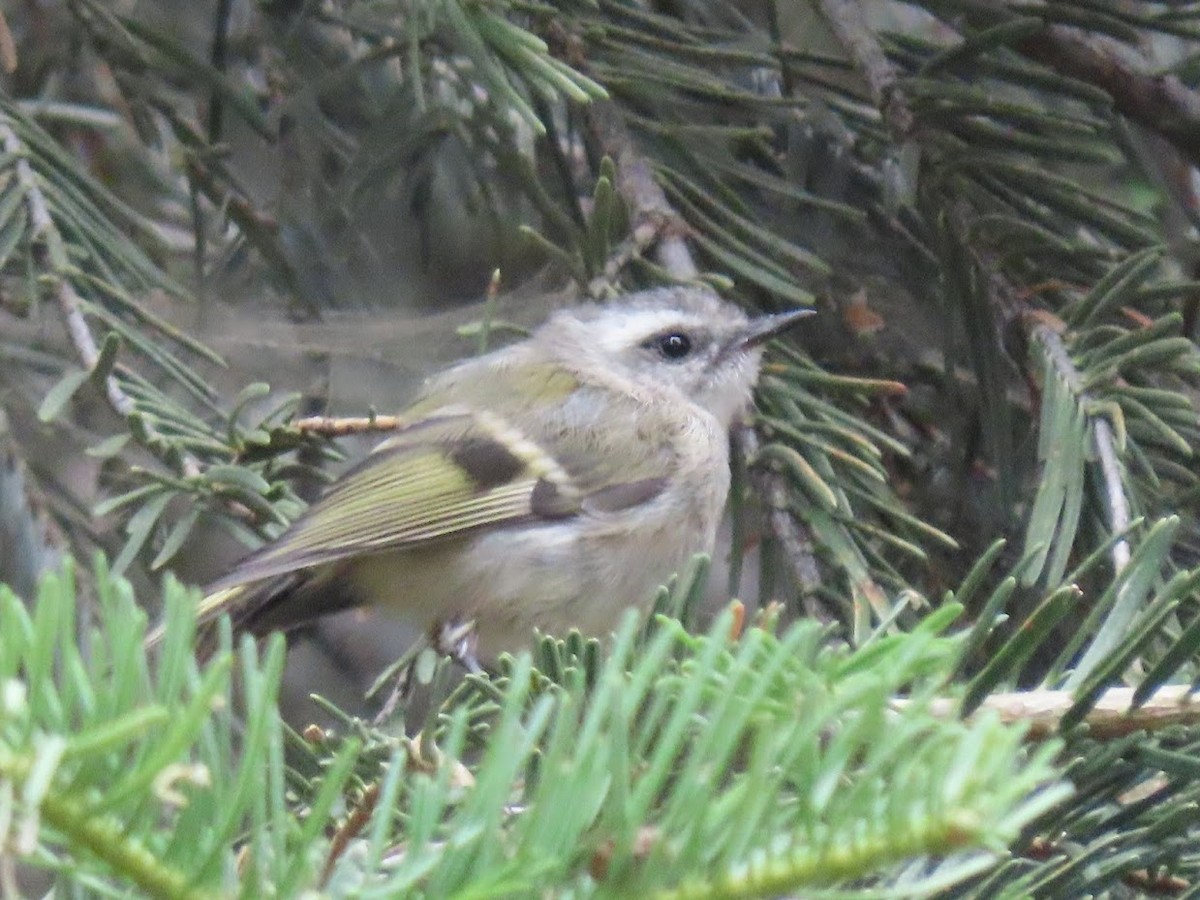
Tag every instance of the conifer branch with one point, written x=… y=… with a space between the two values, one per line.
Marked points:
x=791 y=534
x=776 y=874
x=1103 y=439
x=358 y=819
x=848 y=22
x=82 y=830
x=1160 y=103
x=655 y=221
x=51 y=254
x=716 y=154
x=1114 y=714
x=107 y=841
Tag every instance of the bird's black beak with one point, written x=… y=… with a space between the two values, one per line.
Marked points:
x=764 y=328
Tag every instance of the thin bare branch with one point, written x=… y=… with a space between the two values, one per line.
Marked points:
x=1160 y=103
x=848 y=22
x=358 y=819
x=655 y=221
x=1114 y=489
x=792 y=536
x=340 y=427
x=51 y=254
x=48 y=244
x=8 y=47
x=1112 y=716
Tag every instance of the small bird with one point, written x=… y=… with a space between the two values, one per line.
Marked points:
x=550 y=484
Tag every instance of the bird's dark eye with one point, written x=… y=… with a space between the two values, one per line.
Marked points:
x=673 y=345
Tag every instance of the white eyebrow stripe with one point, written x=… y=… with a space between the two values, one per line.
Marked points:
x=632 y=329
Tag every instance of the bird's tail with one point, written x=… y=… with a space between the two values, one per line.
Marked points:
x=272 y=604
x=237 y=601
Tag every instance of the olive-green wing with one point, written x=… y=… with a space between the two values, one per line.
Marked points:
x=449 y=473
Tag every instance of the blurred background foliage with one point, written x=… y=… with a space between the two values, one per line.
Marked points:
x=992 y=204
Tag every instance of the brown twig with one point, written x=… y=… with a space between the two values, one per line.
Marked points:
x=792 y=537
x=1112 y=716
x=1162 y=884
x=340 y=427
x=655 y=221
x=1160 y=103
x=1155 y=883
x=8 y=47
x=358 y=819
x=849 y=24
x=209 y=176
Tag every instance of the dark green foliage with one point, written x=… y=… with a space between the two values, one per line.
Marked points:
x=989 y=202
x=680 y=766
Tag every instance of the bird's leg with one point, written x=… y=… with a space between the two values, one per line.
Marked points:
x=402 y=674
x=458 y=639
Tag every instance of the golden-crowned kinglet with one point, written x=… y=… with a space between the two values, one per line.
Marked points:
x=549 y=484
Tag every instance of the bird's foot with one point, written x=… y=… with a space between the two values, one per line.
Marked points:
x=458 y=639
